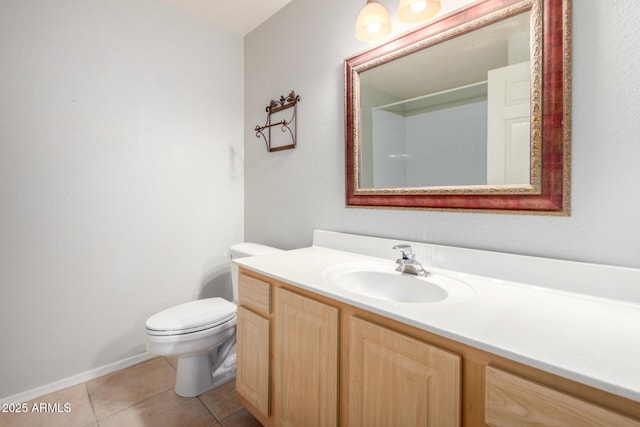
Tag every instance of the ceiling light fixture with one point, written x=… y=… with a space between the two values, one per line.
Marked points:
x=373 y=22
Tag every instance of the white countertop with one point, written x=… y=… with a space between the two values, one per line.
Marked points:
x=589 y=339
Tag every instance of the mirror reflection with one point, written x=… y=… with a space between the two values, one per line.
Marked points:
x=456 y=114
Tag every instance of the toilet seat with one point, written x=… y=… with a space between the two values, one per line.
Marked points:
x=193 y=316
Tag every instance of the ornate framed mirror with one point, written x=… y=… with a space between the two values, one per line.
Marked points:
x=469 y=112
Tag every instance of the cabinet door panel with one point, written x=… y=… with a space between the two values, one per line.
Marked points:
x=306 y=361
x=396 y=380
x=252 y=359
x=514 y=401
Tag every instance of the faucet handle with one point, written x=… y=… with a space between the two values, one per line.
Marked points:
x=405 y=250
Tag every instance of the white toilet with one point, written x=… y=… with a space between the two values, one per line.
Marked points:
x=202 y=334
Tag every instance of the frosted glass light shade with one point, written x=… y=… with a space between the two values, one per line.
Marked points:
x=373 y=22
x=418 y=10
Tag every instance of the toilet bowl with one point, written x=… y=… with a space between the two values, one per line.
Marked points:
x=202 y=334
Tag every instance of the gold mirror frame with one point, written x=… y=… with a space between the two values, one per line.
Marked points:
x=549 y=189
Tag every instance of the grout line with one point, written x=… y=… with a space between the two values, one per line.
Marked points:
x=216 y=420
x=93 y=410
x=170 y=364
x=232 y=413
x=134 y=404
x=140 y=401
x=95 y=423
x=215 y=417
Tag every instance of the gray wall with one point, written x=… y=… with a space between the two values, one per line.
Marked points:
x=121 y=182
x=441 y=147
x=389 y=143
x=290 y=193
x=448 y=146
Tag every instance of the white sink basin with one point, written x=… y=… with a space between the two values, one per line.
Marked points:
x=380 y=281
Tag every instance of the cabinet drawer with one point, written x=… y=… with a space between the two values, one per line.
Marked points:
x=254 y=293
x=511 y=400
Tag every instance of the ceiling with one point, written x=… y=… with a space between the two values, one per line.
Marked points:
x=238 y=16
x=459 y=61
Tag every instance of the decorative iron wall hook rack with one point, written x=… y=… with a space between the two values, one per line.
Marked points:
x=275 y=106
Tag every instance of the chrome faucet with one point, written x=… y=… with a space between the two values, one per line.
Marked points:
x=408 y=263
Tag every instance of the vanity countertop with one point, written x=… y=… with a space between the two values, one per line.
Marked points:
x=586 y=338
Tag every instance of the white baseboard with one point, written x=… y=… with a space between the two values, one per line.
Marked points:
x=76 y=379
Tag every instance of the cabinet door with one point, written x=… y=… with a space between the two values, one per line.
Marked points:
x=306 y=361
x=252 y=359
x=514 y=401
x=396 y=380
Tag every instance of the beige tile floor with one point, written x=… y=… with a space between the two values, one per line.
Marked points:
x=139 y=396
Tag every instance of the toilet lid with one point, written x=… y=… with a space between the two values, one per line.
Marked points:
x=192 y=316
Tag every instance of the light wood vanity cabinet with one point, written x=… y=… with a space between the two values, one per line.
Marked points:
x=253 y=344
x=252 y=359
x=512 y=400
x=287 y=357
x=308 y=360
x=396 y=380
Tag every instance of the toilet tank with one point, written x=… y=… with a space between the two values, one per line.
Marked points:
x=241 y=250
